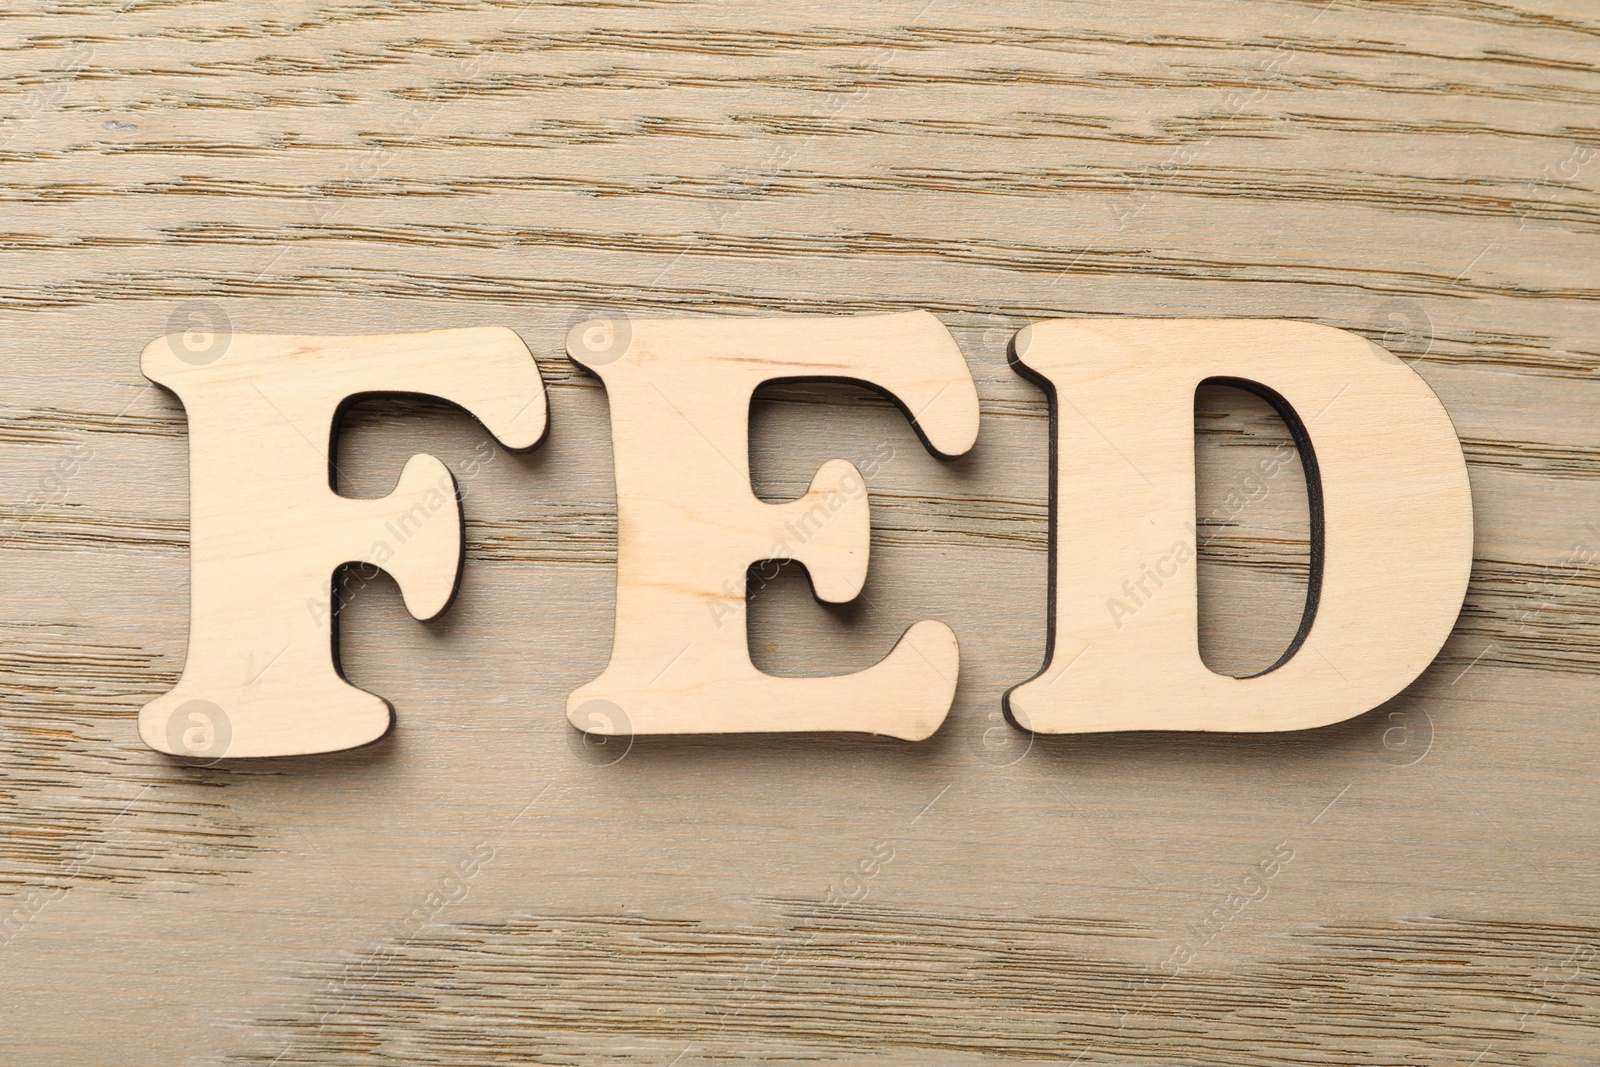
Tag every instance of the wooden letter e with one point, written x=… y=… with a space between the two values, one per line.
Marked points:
x=689 y=525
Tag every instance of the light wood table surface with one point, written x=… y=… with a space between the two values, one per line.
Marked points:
x=481 y=887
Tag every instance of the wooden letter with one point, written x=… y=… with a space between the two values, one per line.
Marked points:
x=1391 y=518
x=267 y=529
x=689 y=525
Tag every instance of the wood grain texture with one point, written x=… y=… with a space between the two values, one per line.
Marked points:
x=483 y=887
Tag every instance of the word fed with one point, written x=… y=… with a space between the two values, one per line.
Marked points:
x=1391 y=520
